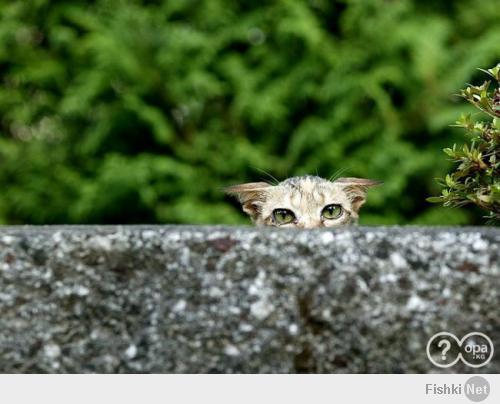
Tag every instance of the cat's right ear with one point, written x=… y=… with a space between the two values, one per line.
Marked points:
x=250 y=195
x=356 y=188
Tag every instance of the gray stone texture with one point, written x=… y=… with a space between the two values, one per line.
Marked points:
x=185 y=299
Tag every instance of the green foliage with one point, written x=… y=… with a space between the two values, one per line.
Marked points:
x=476 y=178
x=120 y=111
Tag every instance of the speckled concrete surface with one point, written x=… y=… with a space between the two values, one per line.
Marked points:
x=221 y=299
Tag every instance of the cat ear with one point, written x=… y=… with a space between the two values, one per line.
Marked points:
x=356 y=188
x=250 y=195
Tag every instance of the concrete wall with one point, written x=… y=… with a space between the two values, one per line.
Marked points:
x=231 y=299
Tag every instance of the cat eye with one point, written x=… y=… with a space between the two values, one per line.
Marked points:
x=332 y=211
x=283 y=216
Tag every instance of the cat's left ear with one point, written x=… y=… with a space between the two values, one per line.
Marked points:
x=356 y=189
x=250 y=195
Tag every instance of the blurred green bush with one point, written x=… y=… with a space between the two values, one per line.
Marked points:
x=126 y=111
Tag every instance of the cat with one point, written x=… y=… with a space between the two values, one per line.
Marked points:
x=303 y=202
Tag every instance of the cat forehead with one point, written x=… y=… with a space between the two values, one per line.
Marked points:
x=305 y=184
x=297 y=191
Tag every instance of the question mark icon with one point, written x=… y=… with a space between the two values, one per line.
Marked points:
x=443 y=349
x=446 y=348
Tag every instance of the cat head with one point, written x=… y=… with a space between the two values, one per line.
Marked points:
x=304 y=202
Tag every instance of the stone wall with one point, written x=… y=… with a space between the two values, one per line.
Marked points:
x=232 y=299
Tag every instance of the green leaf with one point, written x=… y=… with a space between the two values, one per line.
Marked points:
x=434 y=199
